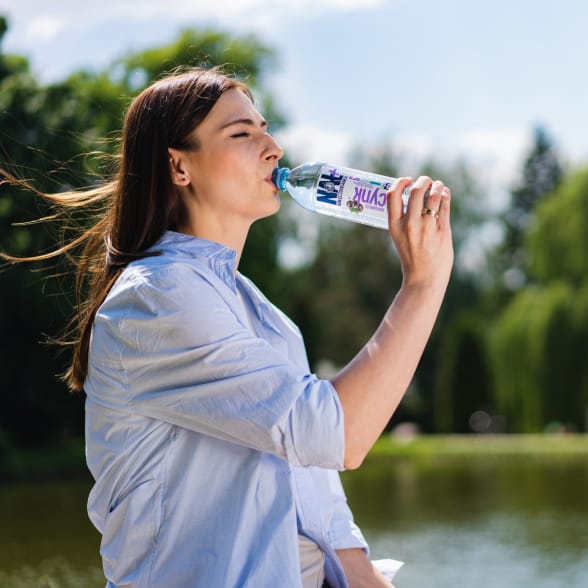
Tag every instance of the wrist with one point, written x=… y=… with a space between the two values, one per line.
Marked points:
x=424 y=288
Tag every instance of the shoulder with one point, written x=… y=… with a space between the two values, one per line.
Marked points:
x=161 y=287
x=167 y=275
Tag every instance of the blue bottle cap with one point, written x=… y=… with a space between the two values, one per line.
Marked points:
x=279 y=177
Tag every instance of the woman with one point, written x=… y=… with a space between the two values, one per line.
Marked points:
x=213 y=448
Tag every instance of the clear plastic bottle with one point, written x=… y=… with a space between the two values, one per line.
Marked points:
x=342 y=192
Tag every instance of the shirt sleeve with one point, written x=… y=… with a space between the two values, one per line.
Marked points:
x=183 y=356
x=343 y=533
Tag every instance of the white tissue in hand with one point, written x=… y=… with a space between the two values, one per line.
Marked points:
x=387 y=567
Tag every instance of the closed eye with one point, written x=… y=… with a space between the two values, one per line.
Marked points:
x=242 y=134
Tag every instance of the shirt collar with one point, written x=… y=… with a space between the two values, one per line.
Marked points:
x=219 y=258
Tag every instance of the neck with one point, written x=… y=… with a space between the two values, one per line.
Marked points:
x=219 y=233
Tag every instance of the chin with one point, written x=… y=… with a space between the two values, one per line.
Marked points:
x=270 y=211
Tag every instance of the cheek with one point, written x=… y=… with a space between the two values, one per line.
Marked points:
x=230 y=180
x=217 y=179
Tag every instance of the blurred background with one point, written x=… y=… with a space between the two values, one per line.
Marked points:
x=482 y=473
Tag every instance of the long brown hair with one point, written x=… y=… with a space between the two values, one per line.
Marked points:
x=139 y=204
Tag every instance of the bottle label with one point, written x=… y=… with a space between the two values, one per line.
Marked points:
x=357 y=198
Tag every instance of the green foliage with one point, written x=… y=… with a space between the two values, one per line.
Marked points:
x=463 y=292
x=542 y=173
x=45 y=132
x=463 y=375
x=466 y=213
x=244 y=56
x=259 y=260
x=339 y=298
x=9 y=64
x=540 y=342
x=342 y=296
x=539 y=358
x=580 y=322
x=558 y=241
x=62 y=136
x=65 y=135
x=539 y=337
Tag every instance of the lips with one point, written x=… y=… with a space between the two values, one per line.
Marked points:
x=269 y=177
x=269 y=180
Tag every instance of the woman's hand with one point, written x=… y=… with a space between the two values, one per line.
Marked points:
x=422 y=233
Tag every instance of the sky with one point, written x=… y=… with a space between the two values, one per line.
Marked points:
x=434 y=79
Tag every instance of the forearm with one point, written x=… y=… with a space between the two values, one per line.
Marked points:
x=372 y=385
x=359 y=570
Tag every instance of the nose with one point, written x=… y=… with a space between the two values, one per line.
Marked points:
x=273 y=149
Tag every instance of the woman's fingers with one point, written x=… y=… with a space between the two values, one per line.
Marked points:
x=419 y=192
x=445 y=208
x=425 y=200
x=396 y=203
x=422 y=233
x=433 y=201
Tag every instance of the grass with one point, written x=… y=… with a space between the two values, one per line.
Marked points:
x=68 y=459
x=459 y=446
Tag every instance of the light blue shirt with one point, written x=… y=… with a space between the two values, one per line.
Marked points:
x=211 y=443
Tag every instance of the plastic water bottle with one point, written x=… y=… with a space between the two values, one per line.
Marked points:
x=342 y=192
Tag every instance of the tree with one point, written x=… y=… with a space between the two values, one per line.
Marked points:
x=463 y=377
x=558 y=239
x=539 y=364
x=556 y=251
x=341 y=296
x=542 y=174
x=345 y=291
x=540 y=340
x=60 y=136
x=42 y=129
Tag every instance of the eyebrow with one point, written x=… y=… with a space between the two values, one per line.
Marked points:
x=243 y=121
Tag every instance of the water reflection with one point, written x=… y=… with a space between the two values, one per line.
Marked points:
x=46 y=539
x=457 y=523
x=486 y=522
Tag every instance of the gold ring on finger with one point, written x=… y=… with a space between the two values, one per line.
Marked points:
x=430 y=212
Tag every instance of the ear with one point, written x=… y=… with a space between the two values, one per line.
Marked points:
x=178 y=170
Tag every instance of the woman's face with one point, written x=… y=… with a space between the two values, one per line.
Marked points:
x=227 y=178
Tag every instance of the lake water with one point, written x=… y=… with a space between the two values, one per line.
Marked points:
x=456 y=523
x=478 y=522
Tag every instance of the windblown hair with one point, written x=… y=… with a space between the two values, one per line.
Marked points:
x=138 y=204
